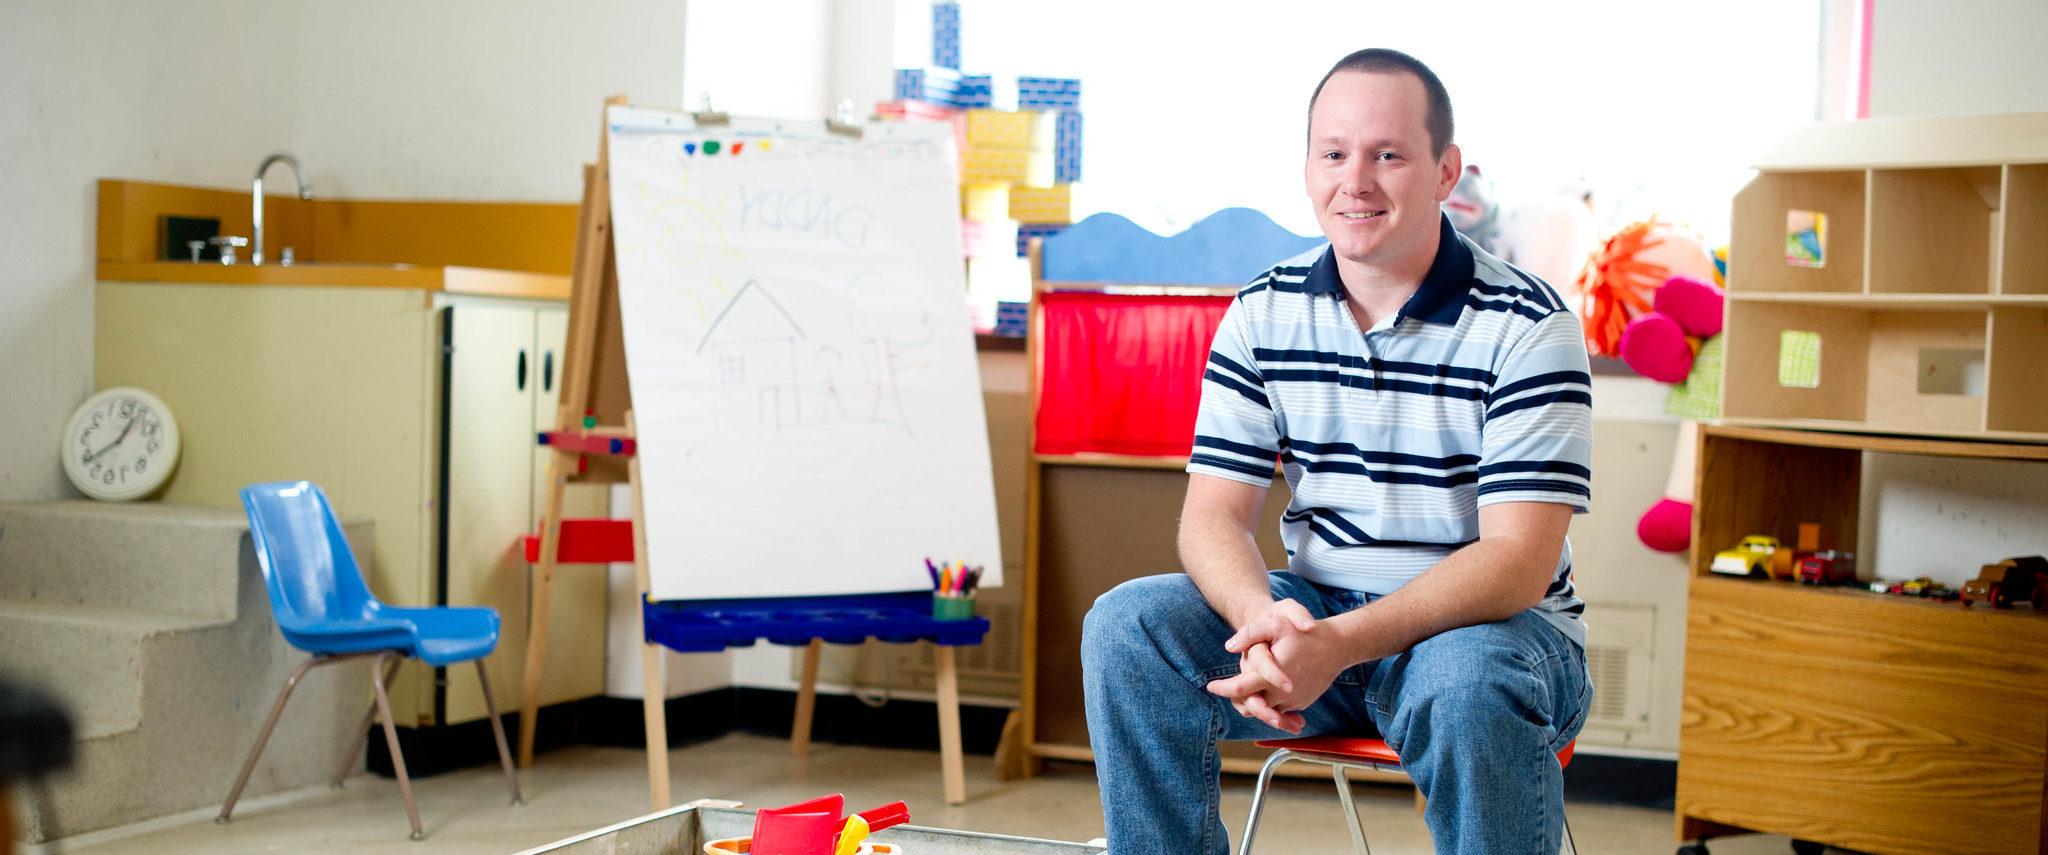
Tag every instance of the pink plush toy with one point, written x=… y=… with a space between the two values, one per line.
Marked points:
x=1661 y=344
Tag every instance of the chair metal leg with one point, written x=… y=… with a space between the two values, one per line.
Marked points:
x=1251 y=823
x=1350 y=810
x=1570 y=846
x=46 y=813
x=362 y=731
x=483 y=678
x=412 y=811
x=276 y=709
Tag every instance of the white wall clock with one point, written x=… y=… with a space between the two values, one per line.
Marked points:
x=121 y=445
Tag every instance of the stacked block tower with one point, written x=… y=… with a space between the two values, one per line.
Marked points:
x=1020 y=154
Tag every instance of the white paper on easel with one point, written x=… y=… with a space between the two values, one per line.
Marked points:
x=803 y=372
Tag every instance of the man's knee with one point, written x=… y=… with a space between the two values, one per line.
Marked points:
x=1472 y=677
x=1122 y=619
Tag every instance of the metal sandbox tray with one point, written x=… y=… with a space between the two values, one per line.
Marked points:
x=683 y=830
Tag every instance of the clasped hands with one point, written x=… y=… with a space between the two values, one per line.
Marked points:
x=1286 y=660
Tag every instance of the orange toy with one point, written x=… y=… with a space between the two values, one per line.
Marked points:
x=1621 y=276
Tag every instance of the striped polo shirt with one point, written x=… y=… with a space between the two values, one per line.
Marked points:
x=1391 y=439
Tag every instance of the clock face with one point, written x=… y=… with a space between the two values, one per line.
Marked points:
x=121 y=444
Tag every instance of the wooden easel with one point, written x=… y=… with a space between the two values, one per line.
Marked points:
x=593 y=382
x=594 y=385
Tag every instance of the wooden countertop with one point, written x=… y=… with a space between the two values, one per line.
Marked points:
x=452 y=279
x=503 y=249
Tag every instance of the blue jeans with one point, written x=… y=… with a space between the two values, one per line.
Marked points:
x=1477 y=715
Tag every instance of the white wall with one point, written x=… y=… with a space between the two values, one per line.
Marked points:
x=458 y=99
x=1958 y=57
x=472 y=99
x=162 y=91
x=760 y=57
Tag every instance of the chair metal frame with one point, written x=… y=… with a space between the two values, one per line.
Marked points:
x=404 y=625
x=380 y=708
x=1337 y=763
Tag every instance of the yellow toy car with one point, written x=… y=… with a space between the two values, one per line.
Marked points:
x=1752 y=557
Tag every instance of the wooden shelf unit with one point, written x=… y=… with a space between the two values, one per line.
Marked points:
x=1866 y=721
x=1928 y=301
x=1860 y=720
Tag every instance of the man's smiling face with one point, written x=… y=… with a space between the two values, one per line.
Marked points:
x=1370 y=173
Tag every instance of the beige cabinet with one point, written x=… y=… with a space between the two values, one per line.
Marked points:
x=504 y=362
x=413 y=408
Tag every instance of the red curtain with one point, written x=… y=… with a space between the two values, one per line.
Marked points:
x=1122 y=374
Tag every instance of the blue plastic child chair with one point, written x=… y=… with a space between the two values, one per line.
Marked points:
x=321 y=604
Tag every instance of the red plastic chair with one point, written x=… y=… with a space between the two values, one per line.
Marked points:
x=1347 y=752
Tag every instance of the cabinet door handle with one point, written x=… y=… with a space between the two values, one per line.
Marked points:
x=522 y=369
x=547 y=371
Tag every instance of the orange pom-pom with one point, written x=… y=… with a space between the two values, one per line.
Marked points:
x=1621 y=276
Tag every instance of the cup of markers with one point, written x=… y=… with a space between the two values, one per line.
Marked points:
x=953 y=587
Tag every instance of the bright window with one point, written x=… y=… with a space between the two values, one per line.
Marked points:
x=1194 y=106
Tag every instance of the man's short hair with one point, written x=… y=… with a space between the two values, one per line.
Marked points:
x=1389 y=61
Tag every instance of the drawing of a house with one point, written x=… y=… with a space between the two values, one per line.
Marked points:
x=750 y=355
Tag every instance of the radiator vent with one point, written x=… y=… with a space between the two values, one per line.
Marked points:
x=1621 y=664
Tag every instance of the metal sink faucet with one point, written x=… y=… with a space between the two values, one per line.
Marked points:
x=256 y=207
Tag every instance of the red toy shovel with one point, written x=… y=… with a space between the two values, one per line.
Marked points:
x=805 y=828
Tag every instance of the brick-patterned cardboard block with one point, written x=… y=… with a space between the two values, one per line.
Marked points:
x=940 y=86
x=1006 y=166
x=1053 y=204
x=986 y=201
x=946 y=35
x=1010 y=129
x=1027 y=231
x=925 y=111
x=1066 y=150
x=988 y=238
x=1048 y=93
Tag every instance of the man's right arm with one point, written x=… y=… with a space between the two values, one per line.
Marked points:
x=1217 y=523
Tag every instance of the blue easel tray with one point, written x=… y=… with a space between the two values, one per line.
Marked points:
x=708 y=626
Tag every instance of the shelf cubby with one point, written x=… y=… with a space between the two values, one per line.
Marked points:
x=1916 y=370
x=1933 y=231
x=1752 y=383
x=2024 y=256
x=1757 y=249
x=2015 y=375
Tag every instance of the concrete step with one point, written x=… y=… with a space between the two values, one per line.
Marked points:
x=152 y=622
x=90 y=656
x=174 y=559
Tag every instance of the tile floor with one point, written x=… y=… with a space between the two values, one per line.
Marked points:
x=578 y=789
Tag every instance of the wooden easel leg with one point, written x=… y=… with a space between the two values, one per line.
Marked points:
x=806 y=702
x=1010 y=748
x=541 y=601
x=536 y=652
x=653 y=694
x=949 y=729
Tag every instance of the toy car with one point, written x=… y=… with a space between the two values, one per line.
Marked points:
x=1828 y=567
x=1923 y=587
x=2013 y=579
x=1751 y=557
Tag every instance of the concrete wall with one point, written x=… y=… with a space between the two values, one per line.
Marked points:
x=465 y=99
x=1958 y=57
x=183 y=91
